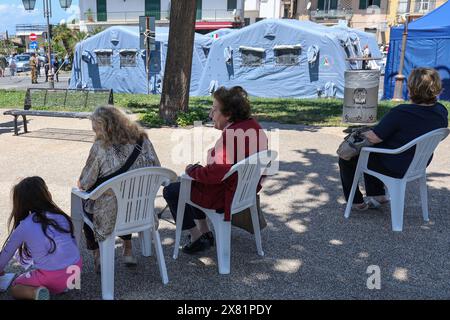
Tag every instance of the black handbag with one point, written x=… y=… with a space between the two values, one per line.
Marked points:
x=353 y=143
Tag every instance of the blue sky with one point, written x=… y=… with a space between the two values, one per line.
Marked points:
x=12 y=13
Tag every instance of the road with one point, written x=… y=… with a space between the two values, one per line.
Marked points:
x=22 y=81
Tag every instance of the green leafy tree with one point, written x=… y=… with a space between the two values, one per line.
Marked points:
x=65 y=39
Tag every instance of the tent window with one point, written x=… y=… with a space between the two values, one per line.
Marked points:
x=287 y=56
x=103 y=59
x=128 y=59
x=252 y=57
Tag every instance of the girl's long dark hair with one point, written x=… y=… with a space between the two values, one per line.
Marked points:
x=31 y=195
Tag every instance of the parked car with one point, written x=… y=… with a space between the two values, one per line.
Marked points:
x=22 y=62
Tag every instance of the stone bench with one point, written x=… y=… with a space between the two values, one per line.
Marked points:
x=48 y=98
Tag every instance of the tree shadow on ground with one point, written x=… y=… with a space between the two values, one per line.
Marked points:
x=311 y=251
x=334 y=252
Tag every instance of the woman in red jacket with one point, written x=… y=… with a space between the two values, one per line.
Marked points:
x=241 y=137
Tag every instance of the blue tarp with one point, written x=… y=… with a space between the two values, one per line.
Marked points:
x=427 y=45
x=283 y=58
x=89 y=71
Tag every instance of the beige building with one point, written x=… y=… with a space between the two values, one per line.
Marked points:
x=367 y=15
x=414 y=8
x=375 y=16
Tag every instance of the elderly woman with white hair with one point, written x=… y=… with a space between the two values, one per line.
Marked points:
x=117 y=139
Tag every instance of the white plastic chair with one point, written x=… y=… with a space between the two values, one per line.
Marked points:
x=425 y=146
x=135 y=191
x=249 y=172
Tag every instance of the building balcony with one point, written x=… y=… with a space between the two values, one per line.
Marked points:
x=332 y=14
x=418 y=7
x=132 y=17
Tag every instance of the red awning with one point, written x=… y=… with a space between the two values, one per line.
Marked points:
x=214 y=25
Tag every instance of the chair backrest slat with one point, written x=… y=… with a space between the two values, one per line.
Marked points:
x=135 y=192
x=249 y=173
x=425 y=146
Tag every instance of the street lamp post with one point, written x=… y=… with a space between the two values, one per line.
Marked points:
x=399 y=78
x=29 y=5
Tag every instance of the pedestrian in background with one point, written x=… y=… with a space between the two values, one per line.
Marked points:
x=33 y=64
x=13 y=66
x=366 y=54
x=3 y=64
x=46 y=68
x=56 y=68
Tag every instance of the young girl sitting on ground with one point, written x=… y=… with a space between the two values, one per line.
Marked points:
x=43 y=233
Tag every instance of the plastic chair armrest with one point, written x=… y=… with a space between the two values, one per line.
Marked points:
x=81 y=194
x=380 y=150
x=185 y=176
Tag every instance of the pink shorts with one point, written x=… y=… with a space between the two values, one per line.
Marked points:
x=56 y=281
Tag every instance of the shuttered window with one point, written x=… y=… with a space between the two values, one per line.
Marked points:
x=198 y=14
x=231 y=5
x=153 y=8
x=364 y=4
x=101 y=10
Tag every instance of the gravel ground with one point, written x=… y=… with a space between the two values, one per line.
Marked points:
x=311 y=251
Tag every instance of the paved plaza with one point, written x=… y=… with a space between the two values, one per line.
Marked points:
x=311 y=251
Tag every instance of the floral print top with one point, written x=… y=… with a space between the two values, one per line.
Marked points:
x=103 y=161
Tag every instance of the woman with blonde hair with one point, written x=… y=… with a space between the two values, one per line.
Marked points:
x=120 y=145
x=399 y=126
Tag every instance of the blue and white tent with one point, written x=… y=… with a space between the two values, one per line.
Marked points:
x=281 y=58
x=199 y=55
x=219 y=33
x=359 y=39
x=112 y=59
x=427 y=45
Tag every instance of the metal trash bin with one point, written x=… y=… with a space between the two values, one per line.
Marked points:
x=361 y=96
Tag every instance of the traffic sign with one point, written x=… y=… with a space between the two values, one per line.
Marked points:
x=144 y=33
x=33 y=45
x=33 y=37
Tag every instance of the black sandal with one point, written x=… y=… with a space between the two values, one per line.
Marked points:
x=197 y=246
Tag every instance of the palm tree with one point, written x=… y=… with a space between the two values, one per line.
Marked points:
x=66 y=39
x=62 y=34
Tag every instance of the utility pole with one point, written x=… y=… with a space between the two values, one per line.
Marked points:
x=47 y=15
x=147 y=42
x=399 y=78
x=147 y=51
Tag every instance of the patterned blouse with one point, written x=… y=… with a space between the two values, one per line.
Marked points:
x=101 y=162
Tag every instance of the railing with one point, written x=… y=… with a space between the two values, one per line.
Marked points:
x=219 y=15
x=332 y=14
x=418 y=6
x=133 y=16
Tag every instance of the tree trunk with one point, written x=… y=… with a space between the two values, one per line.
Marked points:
x=177 y=74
